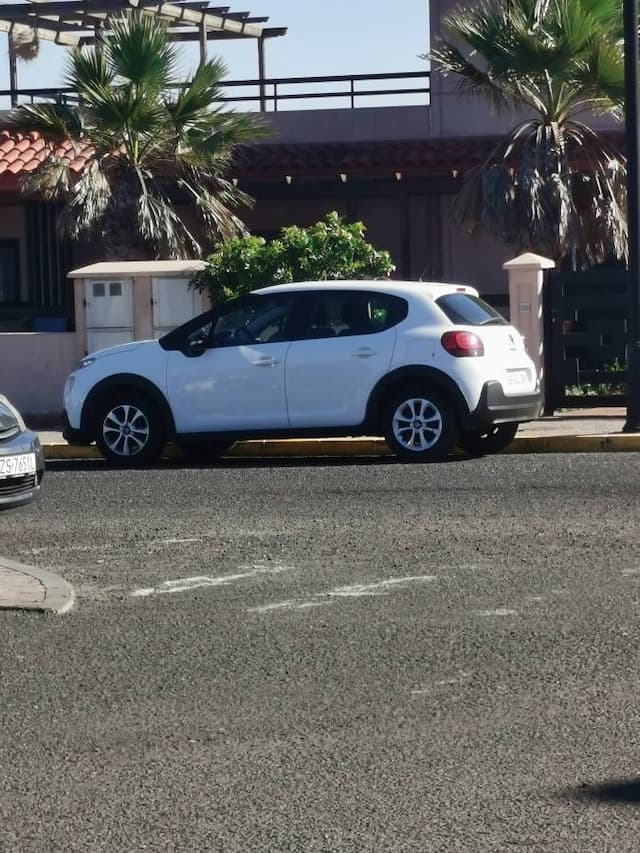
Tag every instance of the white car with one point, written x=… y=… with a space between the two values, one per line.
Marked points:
x=426 y=365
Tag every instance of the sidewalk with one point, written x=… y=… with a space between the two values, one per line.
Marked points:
x=29 y=588
x=567 y=431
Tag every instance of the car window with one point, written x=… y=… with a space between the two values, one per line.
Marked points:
x=260 y=319
x=464 y=309
x=343 y=313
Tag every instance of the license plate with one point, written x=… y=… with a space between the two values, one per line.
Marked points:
x=17 y=466
x=517 y=378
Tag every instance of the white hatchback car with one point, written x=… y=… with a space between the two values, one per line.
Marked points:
x=426 y=365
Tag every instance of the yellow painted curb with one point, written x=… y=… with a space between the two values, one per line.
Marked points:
x=374 y=447
x=575 y=444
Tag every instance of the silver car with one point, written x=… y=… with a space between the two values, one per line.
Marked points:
x=21 y=459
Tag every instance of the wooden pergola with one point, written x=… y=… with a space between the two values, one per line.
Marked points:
x=74 y=23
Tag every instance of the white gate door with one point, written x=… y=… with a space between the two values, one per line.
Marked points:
x=174 y=302
x=108 y=313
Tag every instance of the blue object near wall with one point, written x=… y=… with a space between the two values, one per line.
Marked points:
x=50 y=324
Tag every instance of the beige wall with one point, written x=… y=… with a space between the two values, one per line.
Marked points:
x=34 y=368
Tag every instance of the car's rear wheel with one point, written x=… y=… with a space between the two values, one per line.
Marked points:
x=420 y=425
x=493 y=439
x=204 y=451
x=130 y=430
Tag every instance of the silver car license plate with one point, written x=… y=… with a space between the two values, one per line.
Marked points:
x=17 y=466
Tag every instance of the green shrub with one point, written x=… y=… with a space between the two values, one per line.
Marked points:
x=329 y=250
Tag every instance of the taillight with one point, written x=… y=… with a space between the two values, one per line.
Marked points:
x=462 y=344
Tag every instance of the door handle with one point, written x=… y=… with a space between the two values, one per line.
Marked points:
x=267 y=361
x=364 y=352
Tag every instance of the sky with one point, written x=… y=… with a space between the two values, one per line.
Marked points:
x=325 y=37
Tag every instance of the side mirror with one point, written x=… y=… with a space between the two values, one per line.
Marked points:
x=194 y=347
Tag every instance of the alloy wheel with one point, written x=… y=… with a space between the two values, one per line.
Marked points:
x=125 y=430
x=417 y=424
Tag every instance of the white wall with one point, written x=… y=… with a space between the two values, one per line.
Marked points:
x=33 y=369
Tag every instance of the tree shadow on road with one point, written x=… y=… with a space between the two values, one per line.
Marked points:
x=625 y=791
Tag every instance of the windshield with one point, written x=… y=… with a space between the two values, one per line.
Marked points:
x=463 y=309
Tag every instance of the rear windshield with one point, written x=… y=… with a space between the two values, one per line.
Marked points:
x=463 y=309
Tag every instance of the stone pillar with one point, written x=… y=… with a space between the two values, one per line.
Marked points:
x=526 y=277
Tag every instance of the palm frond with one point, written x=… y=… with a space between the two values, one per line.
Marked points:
x=86 y=69
x=51 y=180
x=532 y=193
x=139 y=51
x=196 y=97
x=87 y=202
x=55 y=122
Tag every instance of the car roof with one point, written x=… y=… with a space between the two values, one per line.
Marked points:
x=431 y=289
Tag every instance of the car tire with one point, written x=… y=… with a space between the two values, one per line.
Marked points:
x=130 y=431
x=204 y=451
x=420 y=425
x=493 y=439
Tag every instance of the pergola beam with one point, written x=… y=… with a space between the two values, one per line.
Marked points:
x=191 y=16
x=238 y=24
x=45 y=35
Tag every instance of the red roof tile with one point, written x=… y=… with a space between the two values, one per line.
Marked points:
x=21 y=153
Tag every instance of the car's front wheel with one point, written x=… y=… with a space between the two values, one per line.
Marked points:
x=130 y=431
x=420 y=425
x=493 y=439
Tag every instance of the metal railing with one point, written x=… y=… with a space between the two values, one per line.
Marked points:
x=271 y=92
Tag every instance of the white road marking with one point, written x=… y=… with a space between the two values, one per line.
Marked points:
x=186 y=584
x=354 y=591
x=278 y=605
x=500 y=611
x=379 y=588
x=186 y=541
x=442 y=683
x=631 y=571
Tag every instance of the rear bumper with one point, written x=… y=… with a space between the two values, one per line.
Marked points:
x=495 y=407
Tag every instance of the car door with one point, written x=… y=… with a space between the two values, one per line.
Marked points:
x=229 y=374
x=347 y=347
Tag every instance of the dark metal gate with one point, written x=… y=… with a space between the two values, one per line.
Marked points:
x=586 y=315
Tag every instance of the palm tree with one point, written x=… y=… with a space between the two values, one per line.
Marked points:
x=553 y=184
x=151 y=144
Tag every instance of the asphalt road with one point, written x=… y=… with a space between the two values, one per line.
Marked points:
x=328 y=657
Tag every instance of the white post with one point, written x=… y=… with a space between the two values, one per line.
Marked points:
x=526 y=277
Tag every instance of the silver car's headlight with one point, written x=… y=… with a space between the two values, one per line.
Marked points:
x=10 y=416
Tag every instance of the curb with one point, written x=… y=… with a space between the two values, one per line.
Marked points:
x=58 y=596
x=613 y=443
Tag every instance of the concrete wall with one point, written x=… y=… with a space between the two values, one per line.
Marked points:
x=33 y=370
x=365 y=124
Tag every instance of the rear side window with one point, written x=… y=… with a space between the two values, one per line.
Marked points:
x=464 y=309
x=341 y=313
